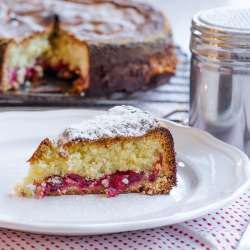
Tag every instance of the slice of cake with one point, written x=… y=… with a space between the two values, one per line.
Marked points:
x=123 y=151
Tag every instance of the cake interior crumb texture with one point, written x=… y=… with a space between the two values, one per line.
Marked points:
x=126 y=143
x=28 y=61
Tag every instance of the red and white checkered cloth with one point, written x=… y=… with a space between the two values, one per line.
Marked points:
x=219 y=230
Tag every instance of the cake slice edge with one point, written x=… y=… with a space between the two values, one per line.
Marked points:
x=159 y=179
x=126 y=150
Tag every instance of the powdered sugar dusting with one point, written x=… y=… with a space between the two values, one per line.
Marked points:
x=120 y=121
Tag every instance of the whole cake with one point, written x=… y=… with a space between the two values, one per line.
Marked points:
x=123 y=151
x=101 y=46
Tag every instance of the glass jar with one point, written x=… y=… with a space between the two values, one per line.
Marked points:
x=220 y=75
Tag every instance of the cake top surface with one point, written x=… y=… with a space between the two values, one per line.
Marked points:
x=85 y=19
x=120 y=121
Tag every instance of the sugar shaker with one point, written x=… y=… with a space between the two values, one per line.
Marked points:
x=220 y=74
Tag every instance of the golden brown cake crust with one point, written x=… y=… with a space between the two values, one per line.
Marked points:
x=160 y=133
x=167 y=174
x=3 y=52
x=43 y=147
x=165 y=181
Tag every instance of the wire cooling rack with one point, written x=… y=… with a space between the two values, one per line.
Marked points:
x=170 y=100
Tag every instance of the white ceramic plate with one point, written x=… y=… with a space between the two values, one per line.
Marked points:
x=210 y=175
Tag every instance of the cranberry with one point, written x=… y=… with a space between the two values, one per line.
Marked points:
x=77 y=180
x=98 y=183
x=73 y=180
x=61 y=66
x=12 y=74
x=53 y=183
x=49 y=185
x=29 y=73
x=112 y=192
x=160 y=159
x=116 y=180
x=134 y=177
x=153 y=176
x=74 y=177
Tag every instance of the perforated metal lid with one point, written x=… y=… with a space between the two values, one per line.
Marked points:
x=222 y=34
x=233 y=19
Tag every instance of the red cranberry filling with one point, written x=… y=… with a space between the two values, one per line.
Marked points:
x=61 y=68
x=111 y=184
x=153 y=176
x=12 y=75
x=32 y=72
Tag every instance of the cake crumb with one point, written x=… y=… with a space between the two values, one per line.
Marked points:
x=125 y=181
x=105 y=183
x=63 y=153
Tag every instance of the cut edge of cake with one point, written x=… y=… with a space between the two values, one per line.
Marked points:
x=127 y=159
x=69 y=58
x=25 y=61
x=18 y=59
